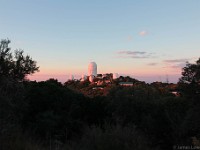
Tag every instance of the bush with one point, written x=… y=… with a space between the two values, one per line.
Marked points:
x=110 y=138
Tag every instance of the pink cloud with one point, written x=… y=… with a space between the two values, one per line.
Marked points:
x=176 y=60
x=143 y=33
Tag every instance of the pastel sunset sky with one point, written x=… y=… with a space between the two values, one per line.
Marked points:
x=145 y=39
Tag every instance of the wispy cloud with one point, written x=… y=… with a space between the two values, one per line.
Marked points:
x=175 y=63
x=143 y=33
x=152 y=64
x=175 y=60
x=131 y=52
x=134 y=54
x=180 y=65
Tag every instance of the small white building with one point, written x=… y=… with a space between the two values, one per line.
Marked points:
x=83 y=77
x=115 y=75
x=91 y=78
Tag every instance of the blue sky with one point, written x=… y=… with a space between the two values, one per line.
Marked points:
x=141 y=38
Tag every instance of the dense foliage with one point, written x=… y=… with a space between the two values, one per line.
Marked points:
x=16 y=67
x=49 y=115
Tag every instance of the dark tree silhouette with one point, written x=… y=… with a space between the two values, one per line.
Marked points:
x=190 y=80
x=191 y=73
x=190 y=86
x=17 y=66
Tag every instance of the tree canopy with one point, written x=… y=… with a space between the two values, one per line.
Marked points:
x=16 y=66
x=190 y=80
x=191 y=73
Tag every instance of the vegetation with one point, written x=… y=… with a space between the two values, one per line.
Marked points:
x=16 y=67
x=49 y=115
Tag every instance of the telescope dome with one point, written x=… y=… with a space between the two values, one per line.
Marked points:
x=92 y=69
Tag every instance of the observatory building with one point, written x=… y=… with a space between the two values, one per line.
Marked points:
x=115 y=75
x=92 y=69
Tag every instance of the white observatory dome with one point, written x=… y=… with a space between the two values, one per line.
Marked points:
x=115 y=75
x=92 y=69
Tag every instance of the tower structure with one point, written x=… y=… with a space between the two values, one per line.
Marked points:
x=71 y=77
x=92 y=69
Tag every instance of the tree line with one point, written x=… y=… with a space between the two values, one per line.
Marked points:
x=49 y=115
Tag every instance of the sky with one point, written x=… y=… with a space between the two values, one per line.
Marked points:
x=150 y=40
